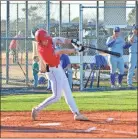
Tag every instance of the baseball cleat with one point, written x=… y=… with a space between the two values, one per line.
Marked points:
x=119 y=85
x=130 y=86
x=34 y=114
x=113 y=86
x=80 y=117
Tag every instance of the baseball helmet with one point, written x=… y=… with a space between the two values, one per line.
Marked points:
x=41 y=35
x=42 y=80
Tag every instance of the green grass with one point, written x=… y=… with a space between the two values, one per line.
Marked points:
x=86 y=101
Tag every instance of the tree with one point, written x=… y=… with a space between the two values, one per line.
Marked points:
x=33 y=15
x=76 y=19
x=131 y=17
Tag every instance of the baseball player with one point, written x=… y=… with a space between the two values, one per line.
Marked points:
x=55 y=73
x=13 y=47
x=133 y=39
x=116 y=43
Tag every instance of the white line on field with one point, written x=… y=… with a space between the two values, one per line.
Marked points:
x=116 y=131
x=108 y=130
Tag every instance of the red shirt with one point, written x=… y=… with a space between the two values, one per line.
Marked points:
x=13 y=43
x=47 y=53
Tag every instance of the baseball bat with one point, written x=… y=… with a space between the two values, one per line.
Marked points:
x=92 y=80
x=98 y=80
x=21 y=69
x=105 y=51
x=88 y=78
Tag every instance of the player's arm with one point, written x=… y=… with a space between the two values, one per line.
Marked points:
x=131 y=38
x=127 y=44
x=65 y=51
x=110 y=41
x=66 y=41
x=60 y=41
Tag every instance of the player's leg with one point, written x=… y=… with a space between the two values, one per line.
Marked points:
x=56 y=84
x=35 y=80
x=132 y=65
x=48 y=85
x=113 y=67
x=120 y=67
x=70 y=100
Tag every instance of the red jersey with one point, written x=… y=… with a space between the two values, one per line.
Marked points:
x=47 y=53
x=13 y=43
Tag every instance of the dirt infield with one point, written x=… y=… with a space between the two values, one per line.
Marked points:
x=19 y=124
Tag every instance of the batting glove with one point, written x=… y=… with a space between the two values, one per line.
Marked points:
x=79 y=48
x=76 y=42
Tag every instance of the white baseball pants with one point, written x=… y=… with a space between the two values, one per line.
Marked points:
x=59 y=84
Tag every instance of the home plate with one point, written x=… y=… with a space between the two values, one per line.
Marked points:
x=49 y=124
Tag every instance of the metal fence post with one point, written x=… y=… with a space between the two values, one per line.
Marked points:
x=26 y=35
x=48 y=16
x=69 y=13
x=97 y=25
x=60 y=17
x=17 y=32
x=137 y=12
x=7 y=35
x=80 y=38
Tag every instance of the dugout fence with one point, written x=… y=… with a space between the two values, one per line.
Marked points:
x=104 y=17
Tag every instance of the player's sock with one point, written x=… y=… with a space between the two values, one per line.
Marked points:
x=112 y=78
x=120 y=78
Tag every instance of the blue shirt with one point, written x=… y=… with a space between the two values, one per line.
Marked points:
x=134 y=46
x=64 y=60
x=115 y=45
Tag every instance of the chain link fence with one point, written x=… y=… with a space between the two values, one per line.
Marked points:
x=94 y=32
x=20 y=61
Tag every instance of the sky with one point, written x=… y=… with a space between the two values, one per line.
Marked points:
x=55 y=9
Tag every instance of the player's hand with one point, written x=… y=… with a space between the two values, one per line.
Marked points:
x=131 y=40
x=81 y=48
x=114 y=37
x=78 y=48
x=75 y=41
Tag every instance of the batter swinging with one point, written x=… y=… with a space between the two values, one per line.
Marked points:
x=55 y=73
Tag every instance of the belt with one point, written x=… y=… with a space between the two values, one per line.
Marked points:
x=52 y=66
x=47 y=67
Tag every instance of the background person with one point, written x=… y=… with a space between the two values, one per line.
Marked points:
x=116 y=43
x=35 y=70
x=133 y=39
x=14 y=46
